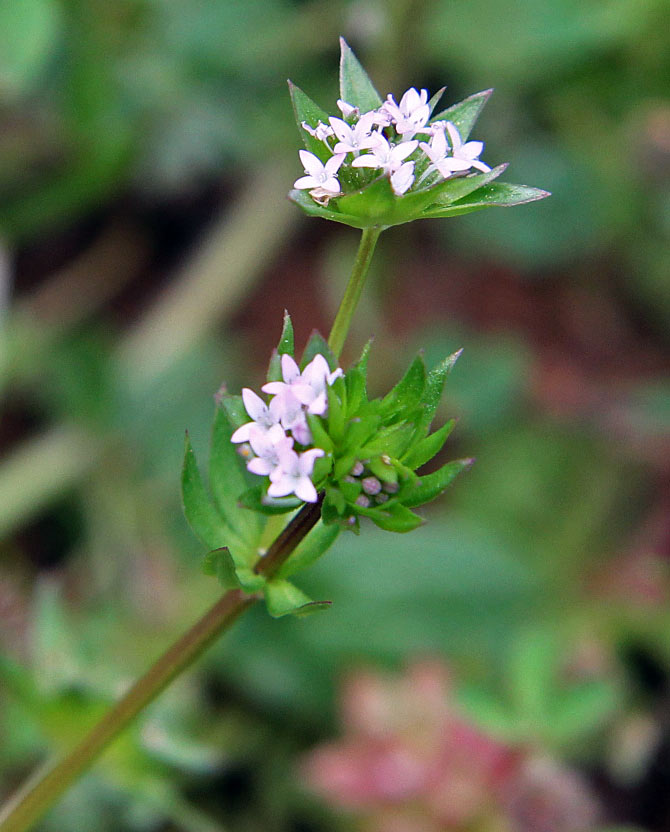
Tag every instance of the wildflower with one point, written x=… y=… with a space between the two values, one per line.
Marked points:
x=468 y=151
x=292 y=475
x=267 y=447
x=308 y=387
x=385 y=156
x=319 y=175
x=347 y=110
x=402 y=179
x=411 y=115
x=322 y=131
x=356 y=138
x=265 y=419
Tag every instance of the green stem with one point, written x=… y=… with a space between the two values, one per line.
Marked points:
x=353 y=291
x=41 y=791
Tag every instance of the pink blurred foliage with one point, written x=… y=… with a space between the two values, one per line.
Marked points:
x=410 y=761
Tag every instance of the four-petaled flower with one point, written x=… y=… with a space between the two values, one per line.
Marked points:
x=411 y=115
x=356 y=138
x=297 y=395
x=468 y=151
x=319 y=175
x=385 y=156
x=264 y=418
x=292 y=475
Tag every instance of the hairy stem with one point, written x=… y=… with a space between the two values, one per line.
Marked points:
x=352 y=293
x=41 y=791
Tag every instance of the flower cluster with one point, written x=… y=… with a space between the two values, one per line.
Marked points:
x=383 y=139
x=277 y=427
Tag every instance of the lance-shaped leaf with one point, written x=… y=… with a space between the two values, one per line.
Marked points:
x=220 y=563
x=317 y=542
x=408 y=391
x=455 y=189
x=392 y=441
x=286 y=345
x=284 y=598
x=495 y=195
x=356 y=88
x=432 y=394
x=432 y=485
x=202 y=517
x=465 y=113
x=227 y=480
x=234 y=407
x=317 y=345
x=428 y=447
x=306 y=110
x=397 y=518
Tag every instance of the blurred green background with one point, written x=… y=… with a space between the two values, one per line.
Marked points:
x=147 y=254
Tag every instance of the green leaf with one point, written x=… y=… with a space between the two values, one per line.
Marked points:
x=408 y=391
x=432 y=394
x=428 y=447
x=285 y=345
x=316 y=345
x=392 y=440
x=286 y=341
x=356 y=392
x=356 y=88
x=227 y=480
x=256 y=499
x=373 y=205
x=465 y=113
x=495 y=195
x=453 y=190
x=202 y=517
x=336 y=415
x=284 y=598
x=219 y=562
x=432 y=485
x=397 y=518
x=317 y=542
x=320 y=438
x=234 y=407
x=435 y=100
x=306 y=110
x=305 y=201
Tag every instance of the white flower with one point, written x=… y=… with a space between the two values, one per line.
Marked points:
x=356 y=138
x=401 y=179
x=267 y=447
x=347 y=110
x=322 y=131
x=308 y=387
x=318 y=174
x=264 y=418
x=411 y=115
x=385 y=156
x=438 y=153
x=292 y=475
x=468 y=152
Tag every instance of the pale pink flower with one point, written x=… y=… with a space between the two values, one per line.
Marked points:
x=319 y=175
x=292 y=475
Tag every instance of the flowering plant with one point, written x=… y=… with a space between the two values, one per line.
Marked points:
x=319 y=440
x=382 y=163
x=325 y=451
